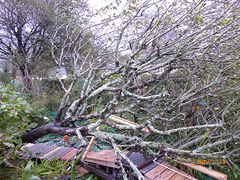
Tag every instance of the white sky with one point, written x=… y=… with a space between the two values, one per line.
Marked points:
x=97 y=4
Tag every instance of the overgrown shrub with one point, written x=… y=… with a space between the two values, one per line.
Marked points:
x=14 y=115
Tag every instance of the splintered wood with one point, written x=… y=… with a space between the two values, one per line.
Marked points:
x=106 y=158
x=159 y=170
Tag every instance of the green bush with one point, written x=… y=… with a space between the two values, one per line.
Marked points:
x=14 y=115
x=14 y=110
x=37 y=114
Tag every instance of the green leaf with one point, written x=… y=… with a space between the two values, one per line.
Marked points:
x=26 y=111
x=77 y=159
x=13 y=97
x=90 y=177
x=3 y=106
x=33 y=125
x=8 y=144
x=27 y=172
x=35 y=177
x=8 y=163
x=74 y=163
x=8 y=138
x=236 y=168
x=73 y=174
x=204 y=137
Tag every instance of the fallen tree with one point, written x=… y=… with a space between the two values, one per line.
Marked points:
x=170 y=67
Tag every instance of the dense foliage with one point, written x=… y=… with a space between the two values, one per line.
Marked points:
x=14 y=114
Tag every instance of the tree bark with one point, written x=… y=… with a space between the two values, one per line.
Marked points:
x=27 y=81
x=52 y=127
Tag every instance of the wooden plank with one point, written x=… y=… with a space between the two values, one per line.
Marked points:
x=125 y=122
x=192 y=178
x=103 y=157
x=45 y=149
x=50 y=152
x=27 y=146
x=181 y=175
x=70 y=155
x=91 y=154
x=110 y=158
x=178 y=174
x=178 y=177
x=90 y=144
x=22 y=154
x=107 y=158
x=149 y=161
x=99 y=172
x=155 y=172
x=38 y=150
x=102 y=163
x=122 y=121
x=59 y=153
x=149 y=167
x=103 y=154
x=136 y=158
x=166 y=175
x=205 y=170
x=33 y=149
x=81 y=169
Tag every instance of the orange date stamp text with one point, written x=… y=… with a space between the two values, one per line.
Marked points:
x=209 y=162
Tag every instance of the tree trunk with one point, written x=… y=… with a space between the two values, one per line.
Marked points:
x=52 y=127
x=27 y=81
x=38 y=132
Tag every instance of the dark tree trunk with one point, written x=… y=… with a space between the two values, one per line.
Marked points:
x=52 y=127
x=27 y=81
x=38 y=132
